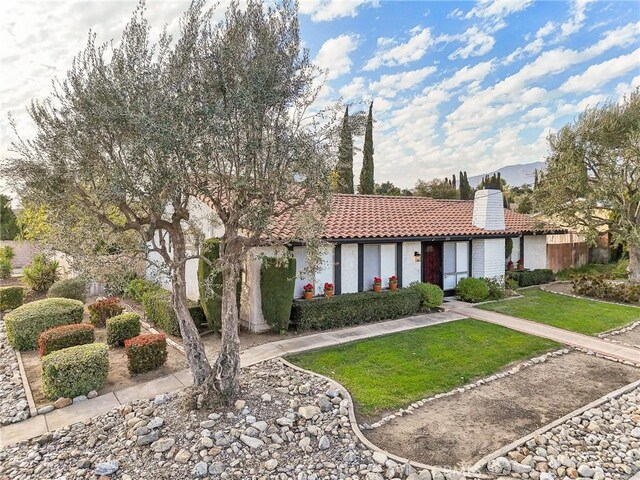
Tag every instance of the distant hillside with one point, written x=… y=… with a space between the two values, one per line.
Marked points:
x=515 y=175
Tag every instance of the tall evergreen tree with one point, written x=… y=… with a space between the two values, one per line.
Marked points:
x=366 y=174
x=453 y=182
x=344 y=167
x=535 y=179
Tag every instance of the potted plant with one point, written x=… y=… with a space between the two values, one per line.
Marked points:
x=510 y=266
x=377 y=284
x=520 y=264
x=393 y=282
x=328 y=289
x=308 y=291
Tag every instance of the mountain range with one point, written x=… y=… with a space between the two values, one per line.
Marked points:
x=514 y=175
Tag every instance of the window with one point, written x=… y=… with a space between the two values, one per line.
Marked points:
x=371 y=265
x=456 y=263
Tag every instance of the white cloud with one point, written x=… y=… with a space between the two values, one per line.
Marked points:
x=334 y=55
x=578 y=12
x=478 y=43
x=390 y=85
x=497 y=8
x=325 y=10
x=400 y=54
x=354 y=89
x=474 y=74
x=602 y=73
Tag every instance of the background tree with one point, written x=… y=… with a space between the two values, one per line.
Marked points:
x=137 y=130
x=344 y=166
x=435 y=188
x=387 y=188
x=466 y=192
x=8 y=226
x=366 y=174
x=592 y=178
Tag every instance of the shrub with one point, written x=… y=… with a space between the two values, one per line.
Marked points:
x=8 y=252
x=41 y=273
x=354 y=308
x=146 y=352
x=196 y=313
x=159 y=310
x=75 y=288
x=496 y=288
x=510 y=283
x=139 y=287
x=65 y=336
x=431 y=295
x=103 y=309
x=11 y=297
x=75 y=370
x=472 y=290
x=25 y=323
x=121 y=327
x=598 y=286
x=528 y=278
x=277 y=284
x=5 y=268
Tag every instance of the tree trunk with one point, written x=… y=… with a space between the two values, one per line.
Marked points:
x=634 y=262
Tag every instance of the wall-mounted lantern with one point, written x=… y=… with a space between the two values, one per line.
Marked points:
x=416 y=257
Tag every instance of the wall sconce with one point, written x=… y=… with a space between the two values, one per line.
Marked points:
x=416 y=257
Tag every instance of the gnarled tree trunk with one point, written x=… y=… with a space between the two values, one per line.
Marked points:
x=634 y=262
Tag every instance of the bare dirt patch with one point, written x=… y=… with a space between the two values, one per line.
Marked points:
x=631 y=337
x=459 y=430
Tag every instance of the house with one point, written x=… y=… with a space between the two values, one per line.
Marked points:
x=417 y=239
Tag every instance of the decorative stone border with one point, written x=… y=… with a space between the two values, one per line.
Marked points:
x=420 y=403
x=581 y=297
x=626 y=329
x=606 y=357
x=447 y=473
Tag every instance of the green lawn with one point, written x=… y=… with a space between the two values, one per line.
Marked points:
x=575 y=314
x=396 y=370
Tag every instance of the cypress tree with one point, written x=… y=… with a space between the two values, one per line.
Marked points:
x=453 y=182
x=535 y=179
x=366 y=174
x=344 y=167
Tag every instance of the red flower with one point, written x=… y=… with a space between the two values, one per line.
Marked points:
x=308 y=287
x=393 y=279
x=328 y=286
x=377 y=281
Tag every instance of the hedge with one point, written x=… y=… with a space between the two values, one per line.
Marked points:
x=65 y=336
x=103 y=309
x=75 y=370
x=598 y=286
x=122 y=327
x=159 y=310
x=137 y=288
x=277 y=284
x=431 y=296
x=354 y=308
x=11 y=297
x=526 y=278
x=25 y=323
x=472 y=290
x=75 y=288
x=146 y=352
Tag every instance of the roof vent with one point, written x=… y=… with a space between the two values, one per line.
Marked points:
x=488 y=210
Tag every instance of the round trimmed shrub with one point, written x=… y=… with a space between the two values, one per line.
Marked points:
x=122 y=327
x=104 y=308
x=65 y=336
x=75 y=370
x=11 y=297
x=472 y=290
x=146 y=352
x=26 y=323
x=431 y=295
x=75 y=288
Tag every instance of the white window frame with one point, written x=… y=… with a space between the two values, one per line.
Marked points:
x=459 y=271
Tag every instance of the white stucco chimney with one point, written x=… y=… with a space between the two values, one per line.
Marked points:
x=488 y=210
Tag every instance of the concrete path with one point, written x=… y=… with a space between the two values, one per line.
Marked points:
x=40 y=424
x=595 y=344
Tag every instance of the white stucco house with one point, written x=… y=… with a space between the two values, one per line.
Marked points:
x=413 y=238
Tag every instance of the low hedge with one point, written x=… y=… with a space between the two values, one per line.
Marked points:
x=26 y=323
x=65 y=336
x=137 y=288
x=11 y=297
x=75 y=288
x=159 y=310
x=277 y=284
x=122 y=327
x=146 y=352
x=526 y=278
x=103 y=309
x=472 y=290
x=354 y=308
x=599 y=286
x=431 y=296
x=75 y=370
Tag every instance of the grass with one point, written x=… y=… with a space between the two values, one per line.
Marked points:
x=613 y=270
x=575 y=314
x=396 y=370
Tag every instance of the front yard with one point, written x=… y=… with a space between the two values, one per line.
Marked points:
x=578 y=315
x=393 y=371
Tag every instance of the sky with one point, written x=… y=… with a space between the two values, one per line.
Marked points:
x=455 y=85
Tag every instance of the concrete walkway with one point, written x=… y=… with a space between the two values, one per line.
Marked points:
x=40 y=424
x=595 y=344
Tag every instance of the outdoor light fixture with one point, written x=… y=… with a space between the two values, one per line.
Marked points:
x=416 y=257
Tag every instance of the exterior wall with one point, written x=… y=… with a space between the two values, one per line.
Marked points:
x=488 y=210
x=535 y=251
x=349 y=268
x=411 y=270
x=387 y=262
x=488 y=257
x=24 y=251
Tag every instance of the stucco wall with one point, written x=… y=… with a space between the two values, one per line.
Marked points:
x=349 y=267
x=535 y=251
x=24 y=252
x=411 y=270
x=324 y=275
x=488 y=257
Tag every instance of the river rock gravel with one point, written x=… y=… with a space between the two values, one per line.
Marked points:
x=13 y=402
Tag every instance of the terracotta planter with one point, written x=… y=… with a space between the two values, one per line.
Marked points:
x=377 y=288
x=308 y=295
x=510 y=268
x=328 y=293
x=393 y=286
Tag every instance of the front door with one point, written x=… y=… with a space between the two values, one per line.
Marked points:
x=432 y=263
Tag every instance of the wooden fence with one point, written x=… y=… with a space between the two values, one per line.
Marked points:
x=568 y=250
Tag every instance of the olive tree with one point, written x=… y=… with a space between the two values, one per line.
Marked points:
x=223 y=113
x=592 y=178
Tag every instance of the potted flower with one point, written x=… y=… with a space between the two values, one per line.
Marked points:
x=510 y=266
x=308 y=291
x=520 y=264
x=393 y=282
x=377 y=284
x=328 y=289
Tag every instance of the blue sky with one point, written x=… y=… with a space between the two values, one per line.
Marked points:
x=456 y=85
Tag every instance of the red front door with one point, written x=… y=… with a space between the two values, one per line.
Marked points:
x=432 y=263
